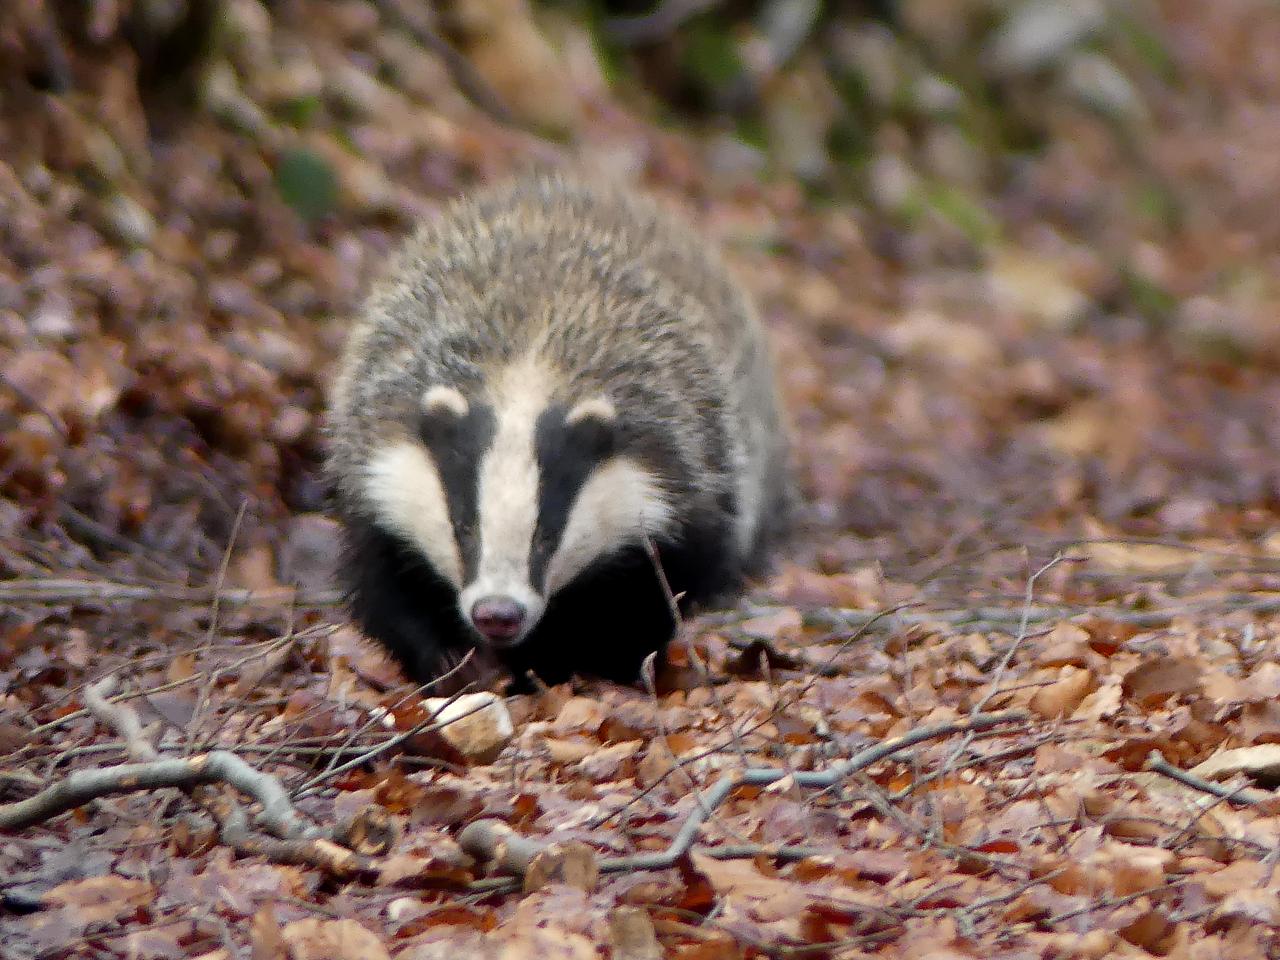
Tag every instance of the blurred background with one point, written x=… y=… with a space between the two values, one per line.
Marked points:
x=1019 y=258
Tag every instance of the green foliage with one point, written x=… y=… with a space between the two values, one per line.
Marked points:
x=301 y=111
x=307 y=183
x=711 y=59
x=1152 y=301
x=956 y=207
x=1149 y=48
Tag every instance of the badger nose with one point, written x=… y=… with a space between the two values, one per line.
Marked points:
x=498 y=618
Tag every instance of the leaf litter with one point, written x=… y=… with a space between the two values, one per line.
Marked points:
x=985 y=373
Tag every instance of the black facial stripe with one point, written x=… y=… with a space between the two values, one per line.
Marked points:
x=566 y=454
x=457 y=444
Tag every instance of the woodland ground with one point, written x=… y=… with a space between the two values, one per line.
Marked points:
x=1020 y=264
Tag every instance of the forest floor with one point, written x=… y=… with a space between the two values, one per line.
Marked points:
x=1036 y=581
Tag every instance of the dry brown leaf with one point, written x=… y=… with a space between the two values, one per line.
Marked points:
x=1155 y=680
x=1241 y=875
x=1063 y=696
x=411 y=871
x=579 y=713
x=742 y=877
x=266 y=938
x=1264 y=681
x=1261 y=762
x=318 y=939
x=1224 y=688
x=1068 y=644
x=1260 y=722
x=182 y=666
x=1104 y=702
x=572 y=863
x=656 y=763
x=100 y=899
x=612 y=762
x=632 y=936
x=784 y=624
x=1133 y=869
x=561 y=750
x=1251 y=906
x=1151 y=931
x=1138 y=557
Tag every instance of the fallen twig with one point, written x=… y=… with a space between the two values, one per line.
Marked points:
x=535 y=862
x=72 y=591
x=1010 y=619
x=1024 y=623
x=495 y=839
x=219 y=766
x=659 y=24
x=416 y=22
x=263 y=650
x=294 y=841
x=430 y=725
x=1247 y=796
x=761 y=776
x=120 y=718
x=309 y=851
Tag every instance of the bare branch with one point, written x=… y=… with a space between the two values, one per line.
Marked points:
x=120 y=718
x=1246 y=796
x=277 y=816
x=496 y=840
x=55 y=590
x=415 y=20
x=659 y=24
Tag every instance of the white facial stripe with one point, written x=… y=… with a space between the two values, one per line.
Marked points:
x=508 y=492
x=598 y=408
x=620 y=503
x=441 y=397
x=403 y=485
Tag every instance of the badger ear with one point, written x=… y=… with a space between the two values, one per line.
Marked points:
x=443 y=400
x=599 y=408
x=593 y=426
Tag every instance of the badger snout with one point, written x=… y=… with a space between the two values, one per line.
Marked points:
x=499 y=619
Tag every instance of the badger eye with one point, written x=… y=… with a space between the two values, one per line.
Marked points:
x=596 y=438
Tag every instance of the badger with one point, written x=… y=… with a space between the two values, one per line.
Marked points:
x=553 y=431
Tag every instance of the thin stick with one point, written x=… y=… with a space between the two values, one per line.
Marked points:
x=426 y=726
x=278 y=816
x=120 y=718
x=417 y=23
x=1023 y=623
x=57 y=590
x=707 y=801
x=1247 y=796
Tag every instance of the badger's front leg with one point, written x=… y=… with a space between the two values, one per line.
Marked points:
x=401 y=603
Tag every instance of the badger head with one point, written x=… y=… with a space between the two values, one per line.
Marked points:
x=510 y=493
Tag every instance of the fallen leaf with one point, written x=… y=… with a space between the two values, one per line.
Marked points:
x=570 y=863
x=781 y=624
x=318 y=939
x=1251 y=906
x=1062 y=697
x=1155 y=680
x=100 y=899
x=266 y=938
x=1261 y=763
x=1241 y=875
x=632 y=936
x=578 y=714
